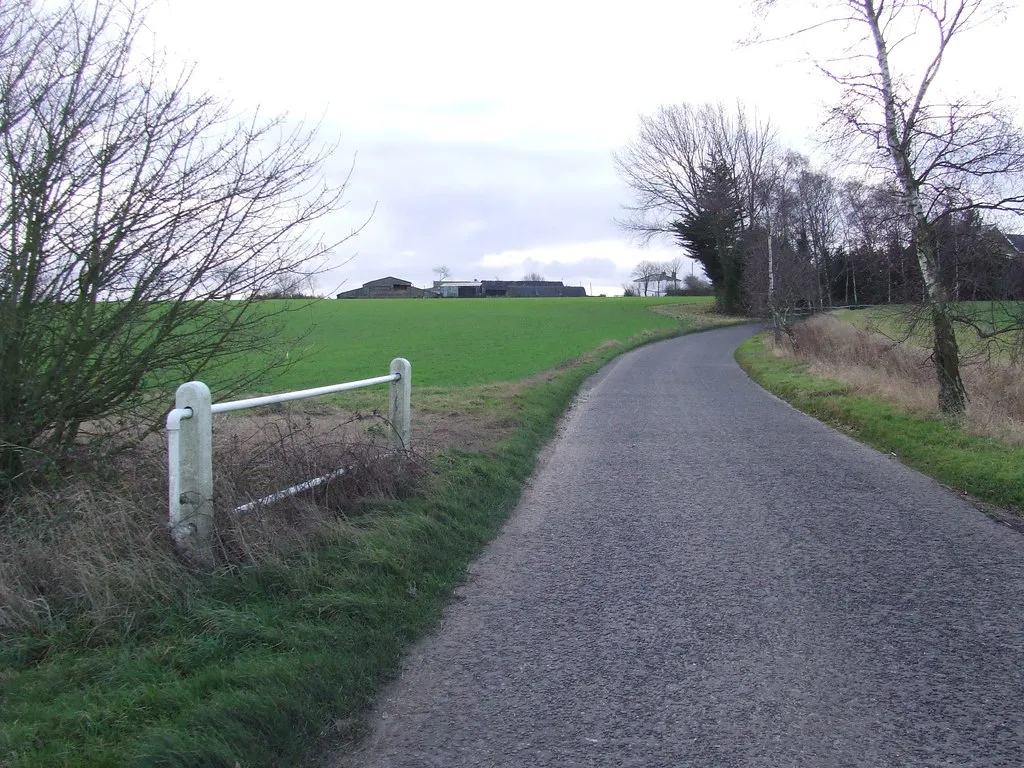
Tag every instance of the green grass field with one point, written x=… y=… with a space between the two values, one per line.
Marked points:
x=910 y=324
x=256 y=664
x=453 y=343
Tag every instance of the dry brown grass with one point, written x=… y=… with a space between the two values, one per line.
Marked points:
x=903 y=375
x=85 y=550
x=94 y=549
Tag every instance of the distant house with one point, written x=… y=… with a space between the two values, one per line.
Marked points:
x=388 y=288
x=1013 y=273
x=1016 y=243
x=656 y=284
x=463 y=289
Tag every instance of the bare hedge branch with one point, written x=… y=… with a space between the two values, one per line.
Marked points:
x=138 y=223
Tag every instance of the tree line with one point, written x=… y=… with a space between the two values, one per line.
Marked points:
x=832 y=241
x=908 y=217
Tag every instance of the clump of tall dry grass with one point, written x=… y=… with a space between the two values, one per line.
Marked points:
x=903 y=375
x=94 y=551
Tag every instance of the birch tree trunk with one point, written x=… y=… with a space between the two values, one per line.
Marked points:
x=945 y=153
x=945 y=352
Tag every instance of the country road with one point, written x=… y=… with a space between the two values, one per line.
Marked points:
x=699 y=575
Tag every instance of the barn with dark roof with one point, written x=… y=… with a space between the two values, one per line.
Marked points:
x=387 y=288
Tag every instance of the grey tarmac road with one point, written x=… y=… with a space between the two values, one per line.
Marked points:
x=699 y=575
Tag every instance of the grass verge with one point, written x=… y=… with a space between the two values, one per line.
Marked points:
x=251 y=667
x=983 y=468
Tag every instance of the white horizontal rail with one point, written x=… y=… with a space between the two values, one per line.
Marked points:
x=302 y=394
x=297 y=489
x=287 y=492
x=190 y=452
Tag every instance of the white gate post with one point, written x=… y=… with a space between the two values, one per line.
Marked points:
x=400 y=404
x=192 y=515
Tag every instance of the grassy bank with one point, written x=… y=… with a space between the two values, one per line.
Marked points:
x=249 y=666
x=984 y=468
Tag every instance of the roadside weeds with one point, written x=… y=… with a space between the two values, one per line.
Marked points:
x=979 y=467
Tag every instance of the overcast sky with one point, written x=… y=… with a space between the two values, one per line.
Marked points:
x=483 y=132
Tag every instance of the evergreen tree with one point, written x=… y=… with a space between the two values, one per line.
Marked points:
x=711 y=233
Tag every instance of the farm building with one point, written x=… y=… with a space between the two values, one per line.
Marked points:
x=388 y=288
x=458 y=289
x=531 y=288
x=510 y=288
x=1016 y=243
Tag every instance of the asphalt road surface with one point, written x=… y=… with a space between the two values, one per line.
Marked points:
x=699 y=575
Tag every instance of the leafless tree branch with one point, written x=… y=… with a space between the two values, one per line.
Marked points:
x=131 y=212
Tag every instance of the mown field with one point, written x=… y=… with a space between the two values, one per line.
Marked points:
x=453 y=343
x=130 y=660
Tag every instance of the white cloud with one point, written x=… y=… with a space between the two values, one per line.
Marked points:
x=619 y=252
x=484 y=131
x=532 y=73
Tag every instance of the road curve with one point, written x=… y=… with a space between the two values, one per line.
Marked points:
x=699 y=575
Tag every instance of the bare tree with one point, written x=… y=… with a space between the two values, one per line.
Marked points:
x=695 y=285
x=943 y=155
x=129 y=212
x=776 y=276
x=875 y=227
x=533 y=277
x=673 y=267
x=820 y=221
x=289 y=287
x=644 y=274
x=442 y=272
x=694 y=172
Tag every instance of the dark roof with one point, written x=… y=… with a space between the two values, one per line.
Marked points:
x=530 y=283
x=1017 y=241
x=384 y=287
x=535 y=291
x=531 y=288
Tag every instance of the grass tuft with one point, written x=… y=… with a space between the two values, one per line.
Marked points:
x=903 y=374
